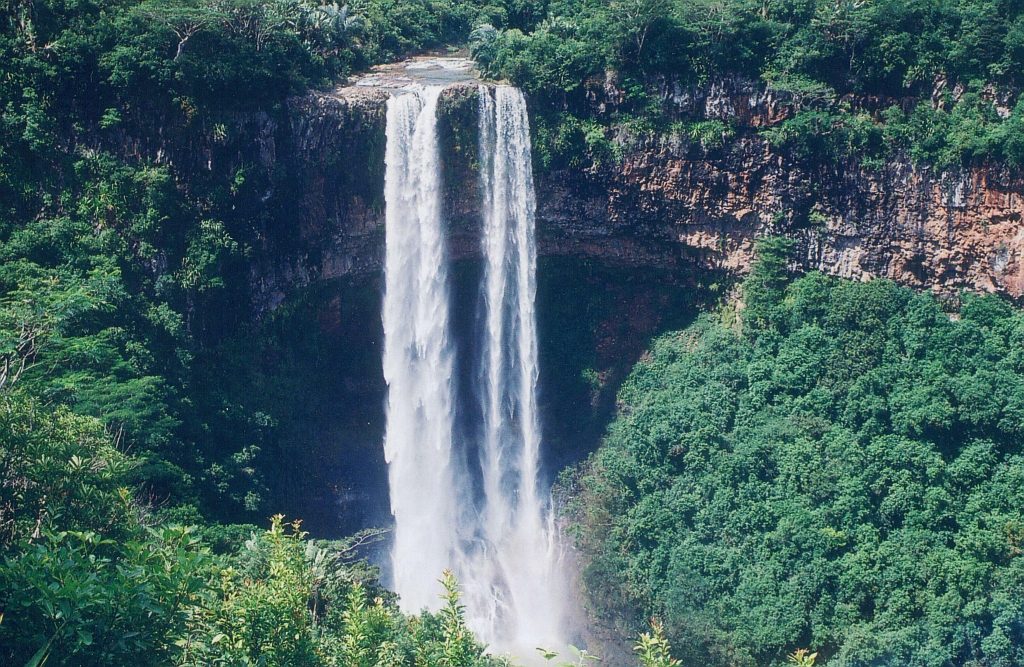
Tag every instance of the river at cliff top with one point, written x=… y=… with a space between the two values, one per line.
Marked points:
x=421 y=70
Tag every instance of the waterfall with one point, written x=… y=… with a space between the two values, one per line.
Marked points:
x=485 y=517
x=521 y=600
x=417 y=352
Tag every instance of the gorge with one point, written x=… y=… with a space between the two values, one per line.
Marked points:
x=668 y=222
x=418 y=333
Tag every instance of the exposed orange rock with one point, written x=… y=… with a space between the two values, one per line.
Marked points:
x=945 y=231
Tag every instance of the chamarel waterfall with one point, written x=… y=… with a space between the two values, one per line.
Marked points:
x=472 y=503
x=418 y=359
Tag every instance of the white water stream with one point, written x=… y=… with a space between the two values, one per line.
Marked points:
x=485 y=517
x=417 y=353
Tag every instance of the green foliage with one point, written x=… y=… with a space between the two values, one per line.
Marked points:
x=209 y=248
x=802 y=658
x=82 y=320
x=653 y=648
x=115 y=273
x=56 y=469
x=820 y=54
x=847 y=479
x=968 y=131
x=708 y=133
x=576 y=143
x=553 y=61
x=812 y=134
x=393 y=28
x=88 y=600
x=581 y=657
x=89 y=577
x=84 y=581
x=765 y=287
x=459 y=645
x=282 y=600
x=258 y=614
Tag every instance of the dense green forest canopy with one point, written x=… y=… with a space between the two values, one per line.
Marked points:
x=844 y=474
x=841 y=474
x=887 y=48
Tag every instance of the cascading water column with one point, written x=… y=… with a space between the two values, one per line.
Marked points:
x=494 y=528
x=514 y=594
x=417 y=353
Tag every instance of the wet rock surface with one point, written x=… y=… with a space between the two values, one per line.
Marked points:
x=423 y=71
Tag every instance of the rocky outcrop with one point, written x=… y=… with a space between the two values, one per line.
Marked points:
x=330 y=195
x=669 y=203
x=315 y=173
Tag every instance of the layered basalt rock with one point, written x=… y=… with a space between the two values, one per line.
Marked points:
x=673 y=203
x=316 y=168
x=669 y=203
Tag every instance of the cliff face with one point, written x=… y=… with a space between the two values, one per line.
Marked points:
x=318 y=166
x=671 y=200
x=668 y=204
x=329 y=196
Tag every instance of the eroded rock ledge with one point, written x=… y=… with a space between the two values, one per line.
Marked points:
x=669 y=203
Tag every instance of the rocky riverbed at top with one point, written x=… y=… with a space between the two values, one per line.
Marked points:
x=428 y=70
